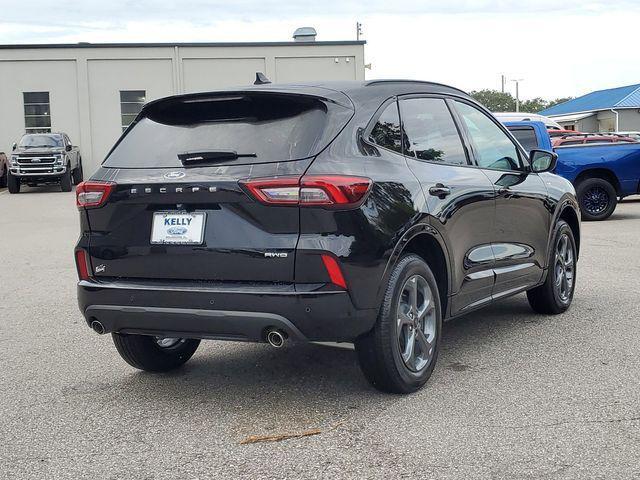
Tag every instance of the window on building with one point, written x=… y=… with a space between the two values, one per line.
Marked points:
x=386 y=131
x=131 y=102
x=431 y=132
x=37 y=112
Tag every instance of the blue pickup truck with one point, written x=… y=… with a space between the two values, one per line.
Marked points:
x=601 y=173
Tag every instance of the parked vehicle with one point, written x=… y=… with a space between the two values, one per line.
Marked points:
x=4 y=169
x=44 y=158
x=602 y=173
x=553 y=133
x=527 y=117
x=634 y=135
x=588 y=139
x=313 y=213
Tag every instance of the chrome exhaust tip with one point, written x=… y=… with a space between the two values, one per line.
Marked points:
x=98 y=327
x=276 y=338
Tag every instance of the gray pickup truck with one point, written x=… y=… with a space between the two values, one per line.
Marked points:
x=44 y=158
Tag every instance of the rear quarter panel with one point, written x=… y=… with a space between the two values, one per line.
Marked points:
x=623 y=160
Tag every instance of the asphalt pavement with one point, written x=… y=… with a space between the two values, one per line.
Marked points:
x=514 y=394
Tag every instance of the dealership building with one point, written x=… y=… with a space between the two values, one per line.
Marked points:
x=93 y=91
x=611 y=110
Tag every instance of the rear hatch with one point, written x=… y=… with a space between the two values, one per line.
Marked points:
x=177 y=209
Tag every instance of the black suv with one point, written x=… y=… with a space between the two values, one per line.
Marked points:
x=364 y=212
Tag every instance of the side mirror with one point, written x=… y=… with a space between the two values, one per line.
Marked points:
x=68 y=148
x=542 y=161
x=14 y=146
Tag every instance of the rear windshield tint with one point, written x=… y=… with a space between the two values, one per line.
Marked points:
x=274 y=127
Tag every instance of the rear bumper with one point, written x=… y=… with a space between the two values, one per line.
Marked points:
x=222 y=311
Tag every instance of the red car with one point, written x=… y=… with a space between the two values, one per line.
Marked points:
x=560 y=133
x=589 y=138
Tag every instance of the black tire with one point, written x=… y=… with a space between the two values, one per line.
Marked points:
x=379 y=351
x=77 y=173
x=13 y=183
x=546 y=298
x=144 y=353
x=65 y=181
x=598 y=199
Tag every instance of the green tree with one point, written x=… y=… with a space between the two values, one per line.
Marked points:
x=534 y=105
x=494 y=100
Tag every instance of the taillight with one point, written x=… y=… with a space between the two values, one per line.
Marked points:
x=333 y=269
x=82 y=265
x=337 y=191
x=93 y=194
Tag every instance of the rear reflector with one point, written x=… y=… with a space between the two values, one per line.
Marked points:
x=333 y=269
x=93 y=194
x=82 y=265
x=332 y=191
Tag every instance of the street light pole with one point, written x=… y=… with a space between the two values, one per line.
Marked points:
x=517 y=82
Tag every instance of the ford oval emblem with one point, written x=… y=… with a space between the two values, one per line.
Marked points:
x=177 y=230
x=174 y=175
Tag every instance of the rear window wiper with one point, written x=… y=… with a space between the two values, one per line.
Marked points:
x=215 y=156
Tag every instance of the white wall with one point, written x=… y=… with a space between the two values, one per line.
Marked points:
x=84 y=82
x=58 y=77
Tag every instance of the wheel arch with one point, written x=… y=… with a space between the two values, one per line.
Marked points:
x=424 y=241
x=569 y=215
x=599 y=172
x=567 y=209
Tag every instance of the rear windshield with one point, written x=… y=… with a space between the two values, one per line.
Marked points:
x=260 y=127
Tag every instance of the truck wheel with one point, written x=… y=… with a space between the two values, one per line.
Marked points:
x=598 y=199
x=556 y=293
x=154 y=354
x=65 y=181
x=13 y=183
x=77 y=173
x=400 y=353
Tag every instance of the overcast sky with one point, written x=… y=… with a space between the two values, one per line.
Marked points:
x=559 y=48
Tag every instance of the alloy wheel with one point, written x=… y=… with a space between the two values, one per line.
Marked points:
x=416 y=323
x=596 y=200
x=564 y=268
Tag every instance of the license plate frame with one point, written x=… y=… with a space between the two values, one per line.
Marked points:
x=184 y=233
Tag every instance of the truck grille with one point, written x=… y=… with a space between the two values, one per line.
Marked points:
x=36 y=161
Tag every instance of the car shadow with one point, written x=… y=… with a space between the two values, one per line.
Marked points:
x=307 y=385
x=41 y=189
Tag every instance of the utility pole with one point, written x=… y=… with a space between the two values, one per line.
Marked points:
x=517 y=82
x=358 y=30
x=504 y=79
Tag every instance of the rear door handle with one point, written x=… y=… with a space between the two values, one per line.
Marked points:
x=439 y=190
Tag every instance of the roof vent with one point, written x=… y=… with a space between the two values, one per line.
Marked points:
x=305 y=34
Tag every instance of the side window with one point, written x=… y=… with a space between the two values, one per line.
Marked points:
x=431 y=132
x=386 y=132
x=493 y=148
x=526 y=137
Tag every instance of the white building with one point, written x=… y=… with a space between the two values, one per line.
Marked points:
x=93 y=91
